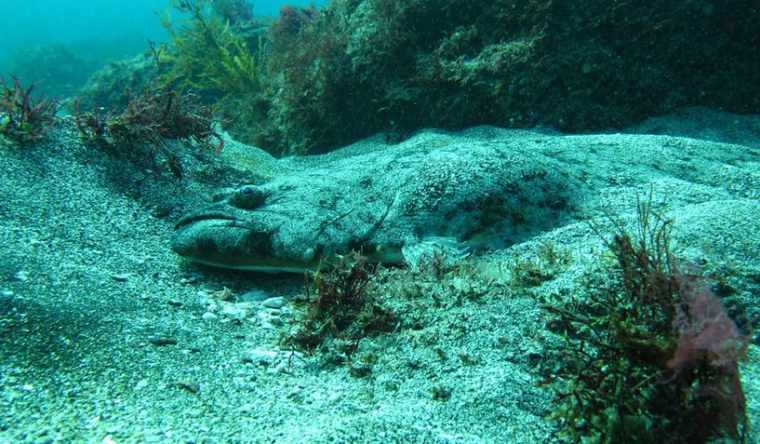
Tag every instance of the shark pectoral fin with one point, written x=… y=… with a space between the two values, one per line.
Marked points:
x=442 y=251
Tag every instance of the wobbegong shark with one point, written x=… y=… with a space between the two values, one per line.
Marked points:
x=396 y=204
x=451 y=194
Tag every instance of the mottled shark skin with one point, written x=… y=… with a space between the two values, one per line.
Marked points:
x=432 y=190
x=482 y=188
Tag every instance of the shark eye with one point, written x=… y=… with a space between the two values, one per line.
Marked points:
x=248 y=197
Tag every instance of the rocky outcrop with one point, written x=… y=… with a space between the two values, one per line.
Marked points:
x=364 y=66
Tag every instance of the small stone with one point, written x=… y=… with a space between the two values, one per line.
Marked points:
x=260 y=356
x=275 y=302
x=255 y=295
x=234 y=311
x=121 y=277
x=441 y=393
x=22 y=276
x=189 y=386
x=161 y=341
x=209 y=316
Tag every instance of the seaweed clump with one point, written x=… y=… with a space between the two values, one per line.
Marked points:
x=218 y=53
x=653 y=357
x=341 y=306
x=23 y=119
x=149 y=121
x=208 y=54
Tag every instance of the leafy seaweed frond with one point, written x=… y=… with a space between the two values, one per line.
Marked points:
x=208 y=54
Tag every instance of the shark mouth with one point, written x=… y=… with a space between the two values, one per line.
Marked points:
x=193 y=218
x=220 y=240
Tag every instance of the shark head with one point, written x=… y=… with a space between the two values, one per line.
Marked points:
x=251 y=228
x=394 y=206
x=238 y=232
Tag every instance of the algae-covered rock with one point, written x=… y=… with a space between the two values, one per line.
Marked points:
x=112 y=86
x=55 y=70
x=362 y=66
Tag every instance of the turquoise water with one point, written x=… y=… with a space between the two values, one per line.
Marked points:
x=106 y=27
x=381 y=221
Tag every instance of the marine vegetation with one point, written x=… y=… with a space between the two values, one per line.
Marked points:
x=309 y=71
x=651 y=356
x=341 y=306
x=150 y=119
x=23 y=119
x=315 y=79
x=217 y=52
x=207 y=54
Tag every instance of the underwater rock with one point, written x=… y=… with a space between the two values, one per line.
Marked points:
x=274 y=302
x=364 y=66
x=110 y=87
x=55 y=70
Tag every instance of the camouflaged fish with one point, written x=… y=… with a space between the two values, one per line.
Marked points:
x=433 y=194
